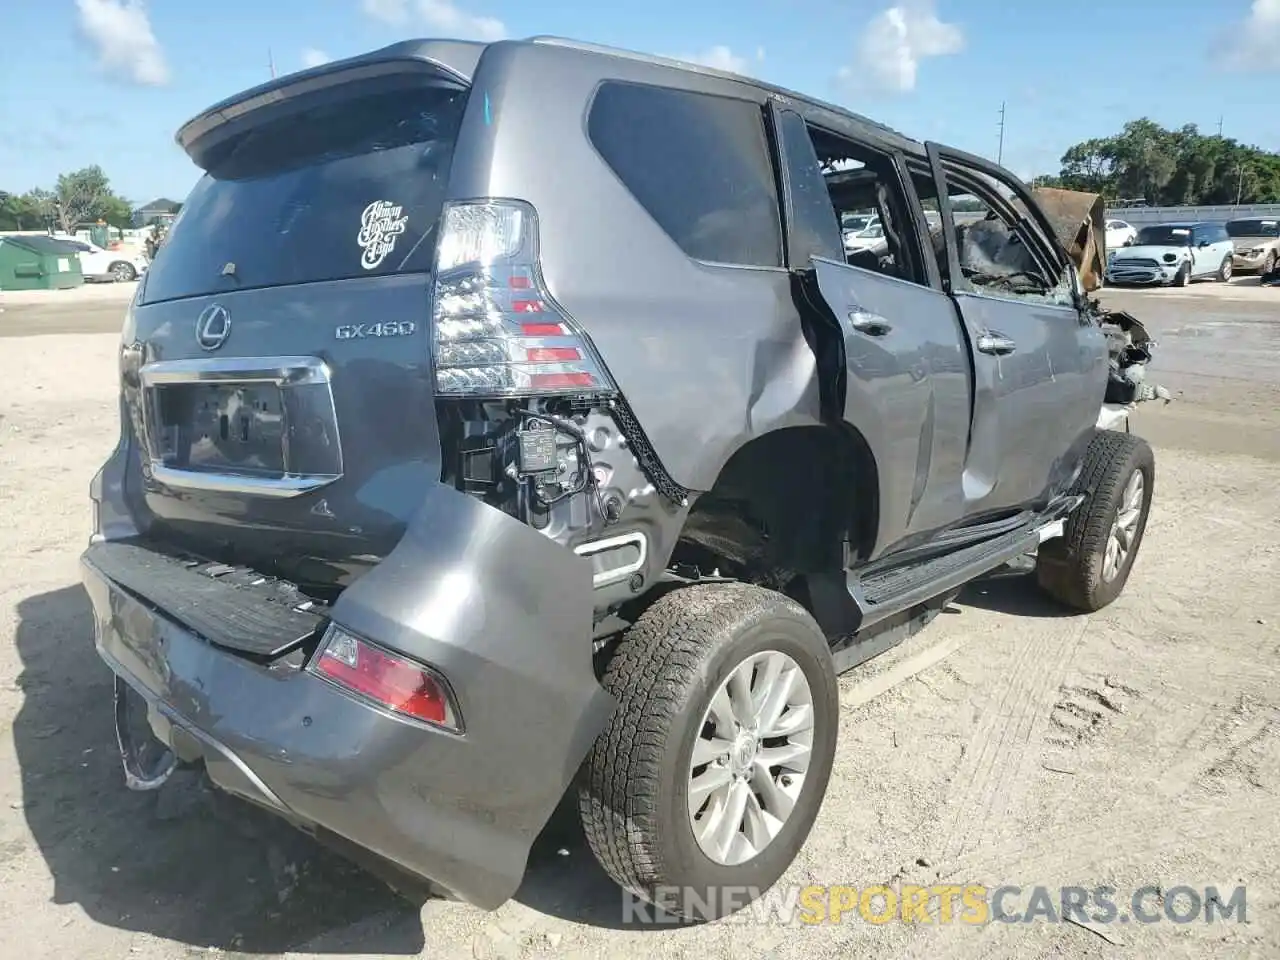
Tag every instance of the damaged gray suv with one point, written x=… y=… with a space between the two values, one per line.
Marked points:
x=506 y=424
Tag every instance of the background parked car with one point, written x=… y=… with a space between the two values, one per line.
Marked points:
x=109 y=265
x=867 y=238
x=1120 y=234
x=1174 y=254
x=1257 y=244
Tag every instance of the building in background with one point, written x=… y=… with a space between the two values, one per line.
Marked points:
x=161 y=210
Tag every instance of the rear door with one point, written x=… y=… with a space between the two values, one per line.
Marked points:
x=899 y=374
x=277 y=362
x=1040 y=364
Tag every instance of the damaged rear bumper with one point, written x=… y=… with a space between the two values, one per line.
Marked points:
x=504 y=613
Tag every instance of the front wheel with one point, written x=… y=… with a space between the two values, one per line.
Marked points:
x=705 y=784
x=1225 y=269
x=1088 y=566
x=122 y=272
x=1183 y=276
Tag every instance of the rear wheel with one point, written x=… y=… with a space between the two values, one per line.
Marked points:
x=1088 y=566
x=1226 y=268
x=122 y=272
x=706 y=782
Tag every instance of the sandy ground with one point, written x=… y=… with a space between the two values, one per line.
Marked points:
x=1007 y=744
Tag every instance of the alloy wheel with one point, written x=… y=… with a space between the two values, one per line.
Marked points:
x=1121 y=542
x=750 y=759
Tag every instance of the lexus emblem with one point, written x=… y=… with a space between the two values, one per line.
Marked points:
x=213 y=326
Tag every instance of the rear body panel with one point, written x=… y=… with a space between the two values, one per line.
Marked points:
x=356 y=432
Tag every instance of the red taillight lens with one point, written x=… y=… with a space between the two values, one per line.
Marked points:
x=392 y=681
x=497 y=331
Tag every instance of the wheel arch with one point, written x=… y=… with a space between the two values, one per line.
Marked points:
x=787 y=500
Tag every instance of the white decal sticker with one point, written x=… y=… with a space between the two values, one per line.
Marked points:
x=380 y=224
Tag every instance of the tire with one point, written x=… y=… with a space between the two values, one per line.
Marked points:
x=121 y=272
x=1183 y=276
x=1268 y=265
x=634 y=792
x=1074 y=568
x=1225 y=269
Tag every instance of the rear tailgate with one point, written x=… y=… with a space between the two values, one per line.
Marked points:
x=277 y=366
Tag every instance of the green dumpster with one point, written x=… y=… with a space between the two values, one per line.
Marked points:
x=36 y=262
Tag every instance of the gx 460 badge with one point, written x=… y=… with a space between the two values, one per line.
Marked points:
x=358 y=331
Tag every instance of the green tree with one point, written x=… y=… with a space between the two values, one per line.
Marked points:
x=1170 y=167
x=85 y=196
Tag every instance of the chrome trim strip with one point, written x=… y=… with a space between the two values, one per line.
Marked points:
x=612 y=543
x=290 y=485
x=285 y=371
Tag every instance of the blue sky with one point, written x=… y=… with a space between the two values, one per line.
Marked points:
x=108 y=81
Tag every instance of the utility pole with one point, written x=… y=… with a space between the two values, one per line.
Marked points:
x=1239 y=183
x=271 y=63
x=1000 y=148
x=1219 y=126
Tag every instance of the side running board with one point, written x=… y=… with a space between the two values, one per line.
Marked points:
x=881 y=593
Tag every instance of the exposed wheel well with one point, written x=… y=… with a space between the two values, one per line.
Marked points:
x=784 y=504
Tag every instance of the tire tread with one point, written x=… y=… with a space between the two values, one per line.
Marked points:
x=1070 y=568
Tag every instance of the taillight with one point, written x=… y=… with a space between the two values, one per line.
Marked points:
x=497 y=332
x=397 y=683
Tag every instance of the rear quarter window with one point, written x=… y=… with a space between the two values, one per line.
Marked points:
x=699 y=164
x=351 y=186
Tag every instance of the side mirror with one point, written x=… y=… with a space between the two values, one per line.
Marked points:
x=1202 y=244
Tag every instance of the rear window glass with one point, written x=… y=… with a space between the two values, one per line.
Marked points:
x=699 y=165
x=349 y=186
x=1254 y=228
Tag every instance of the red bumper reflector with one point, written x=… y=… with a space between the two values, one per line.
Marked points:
x=393 y=681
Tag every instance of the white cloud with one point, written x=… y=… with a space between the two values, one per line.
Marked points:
x=311 y=57
x=1253 y=44
x=721 y=57
x=121 y=34
x=896 y=41
x=442 y=16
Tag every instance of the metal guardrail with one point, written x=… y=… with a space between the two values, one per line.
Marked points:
x=1141 y=216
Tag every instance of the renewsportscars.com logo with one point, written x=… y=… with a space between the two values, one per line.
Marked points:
x=968 y=904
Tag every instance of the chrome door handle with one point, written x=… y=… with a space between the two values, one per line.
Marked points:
x=995 y=343
x=872 y=324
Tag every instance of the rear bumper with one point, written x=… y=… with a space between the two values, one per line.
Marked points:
x=1242 y=262
x=503 y=612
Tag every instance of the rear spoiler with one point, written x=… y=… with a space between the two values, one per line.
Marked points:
x=451 y=61
x=1079 y=222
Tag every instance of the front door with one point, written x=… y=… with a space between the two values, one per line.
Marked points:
x=1204 y=256
x=1040 y=364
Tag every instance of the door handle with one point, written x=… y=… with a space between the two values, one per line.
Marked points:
x=872 y=324
x=995 y=343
